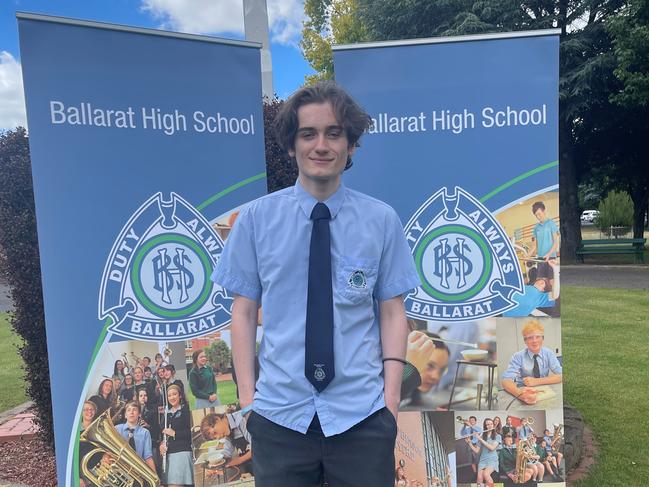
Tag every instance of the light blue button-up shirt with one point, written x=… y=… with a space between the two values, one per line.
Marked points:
x=521 y=365
x=266 y=259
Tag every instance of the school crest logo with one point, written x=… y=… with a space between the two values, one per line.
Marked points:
x=156 y=283
x=466 y=263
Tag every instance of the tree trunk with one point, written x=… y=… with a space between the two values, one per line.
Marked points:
x=640 y=197
x=568 y=197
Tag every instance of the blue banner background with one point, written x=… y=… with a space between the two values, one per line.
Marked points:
x=403 y=169
x=89 y=180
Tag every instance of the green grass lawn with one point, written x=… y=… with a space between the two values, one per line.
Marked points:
x=12 y=385
x=606 y=377
x=226 y=390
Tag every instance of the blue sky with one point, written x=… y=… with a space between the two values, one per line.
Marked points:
x=222 y=18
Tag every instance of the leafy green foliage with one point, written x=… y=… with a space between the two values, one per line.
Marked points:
x=20 y=268
x=328 y=22
x=630 y=33
x=616 y=210
x=281 y=172
x=219 y=356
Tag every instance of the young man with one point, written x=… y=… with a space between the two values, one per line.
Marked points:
x=471 y=426
x=536 y=365
x=231 y=427
x=546 y=241
x=330 y=266
x=137 y=436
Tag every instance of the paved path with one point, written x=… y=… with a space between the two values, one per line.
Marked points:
x=611 y=276
x=5 y=302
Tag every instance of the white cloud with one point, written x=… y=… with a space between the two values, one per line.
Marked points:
x=226 y=16
x=12 y=99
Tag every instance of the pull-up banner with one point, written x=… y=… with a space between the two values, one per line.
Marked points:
x=464 y=145
x=143 y=145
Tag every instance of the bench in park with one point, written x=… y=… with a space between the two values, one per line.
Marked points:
x=612 y=246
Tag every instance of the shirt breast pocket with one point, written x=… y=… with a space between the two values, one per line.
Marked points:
x=357 y=278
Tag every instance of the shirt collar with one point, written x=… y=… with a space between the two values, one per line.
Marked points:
x=531 y=355
x=307 y=201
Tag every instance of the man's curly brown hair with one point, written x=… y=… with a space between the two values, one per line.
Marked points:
x=348 y=113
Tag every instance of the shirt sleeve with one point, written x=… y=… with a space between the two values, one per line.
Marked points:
x=237 y=269
x=553 y=364
x=513 y=371
x=554 y=227
x=397 y=273
x=148 y=453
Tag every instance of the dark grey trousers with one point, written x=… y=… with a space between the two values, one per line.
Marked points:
x=361 y=456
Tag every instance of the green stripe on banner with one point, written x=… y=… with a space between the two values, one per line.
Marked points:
x=517 y=179
x=235 y=186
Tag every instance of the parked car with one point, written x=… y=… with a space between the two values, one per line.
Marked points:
x=588 y=216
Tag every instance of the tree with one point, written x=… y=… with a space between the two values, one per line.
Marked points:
x=281 y=172
x=328 y=22
x=616 y=210
x=20 y=268
x=630 y=33
x=219 y=356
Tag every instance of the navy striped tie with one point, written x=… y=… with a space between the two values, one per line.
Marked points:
x=319 y=344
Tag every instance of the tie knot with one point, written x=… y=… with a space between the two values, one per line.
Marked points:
x=320 y=212
x=536 y=355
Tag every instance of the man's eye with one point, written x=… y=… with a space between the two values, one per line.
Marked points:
x=307 y=135
x=335 y=134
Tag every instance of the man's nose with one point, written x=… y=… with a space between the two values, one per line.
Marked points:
x=321 y=143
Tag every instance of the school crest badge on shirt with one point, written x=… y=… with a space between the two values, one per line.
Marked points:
x=156 y=283
x=467 y=265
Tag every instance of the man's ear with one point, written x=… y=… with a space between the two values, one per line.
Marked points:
x=291 y=153
x=351 y=150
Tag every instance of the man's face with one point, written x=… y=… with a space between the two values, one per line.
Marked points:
x=472 y=421
x=167 y=374
x=138 y=374
x=540 y=215
x=221 y=429
x=321 y=145
x=534 y=341
x=435 y=368
x=132 y=414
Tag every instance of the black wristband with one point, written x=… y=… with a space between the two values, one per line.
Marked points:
x=396 y=359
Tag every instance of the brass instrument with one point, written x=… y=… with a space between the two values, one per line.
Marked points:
x=125 y=469
x=527 y=421
x=524 y=453
x=557 y=438
x=127 y=367
x=138 y=360
x=460 y=419
x=166 y=352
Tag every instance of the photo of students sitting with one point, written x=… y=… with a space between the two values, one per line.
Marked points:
x=507 y=462
x=230 y=427
x=533 y=366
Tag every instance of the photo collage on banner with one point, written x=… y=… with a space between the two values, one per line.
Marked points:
x=464 y=145
x=144 y=145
